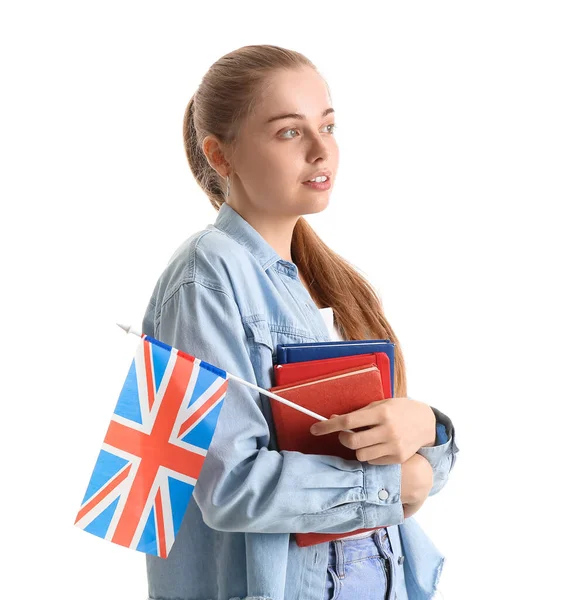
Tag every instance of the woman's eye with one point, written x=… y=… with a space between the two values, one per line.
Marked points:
x=332 y=125
x=290 y=130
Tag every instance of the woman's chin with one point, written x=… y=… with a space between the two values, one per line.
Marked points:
x=317 y=205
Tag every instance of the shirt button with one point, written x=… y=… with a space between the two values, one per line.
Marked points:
x=383 y=494
x=401 y=560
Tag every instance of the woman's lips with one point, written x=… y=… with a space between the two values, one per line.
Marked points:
x=314 y=185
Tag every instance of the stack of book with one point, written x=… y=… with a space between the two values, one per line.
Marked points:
x=327 y=378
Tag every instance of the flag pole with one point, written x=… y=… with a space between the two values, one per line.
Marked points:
x=130 y=329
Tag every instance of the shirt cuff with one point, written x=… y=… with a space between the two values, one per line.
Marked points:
x=444 y=440
x=382 y=489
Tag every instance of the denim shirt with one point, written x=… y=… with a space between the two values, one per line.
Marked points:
x=228 y=298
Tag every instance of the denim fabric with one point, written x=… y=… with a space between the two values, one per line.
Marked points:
x=368 y=569
x=226 y=297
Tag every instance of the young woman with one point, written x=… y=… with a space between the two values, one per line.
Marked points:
x=261 y=126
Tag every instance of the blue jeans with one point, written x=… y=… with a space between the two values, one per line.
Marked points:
x=366 y=569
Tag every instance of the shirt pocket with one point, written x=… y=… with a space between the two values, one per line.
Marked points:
x=263 y=338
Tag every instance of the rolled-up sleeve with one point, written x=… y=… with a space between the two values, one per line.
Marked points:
x=442 y=455
x=244 y=486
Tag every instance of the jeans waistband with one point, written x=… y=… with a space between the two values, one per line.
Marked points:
x=342 y=551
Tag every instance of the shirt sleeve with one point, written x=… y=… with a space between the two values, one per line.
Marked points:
x=442 y=455
x=244 y=486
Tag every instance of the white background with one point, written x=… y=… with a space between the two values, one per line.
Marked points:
x=460 y=184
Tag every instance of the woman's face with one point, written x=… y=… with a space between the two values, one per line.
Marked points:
x=275 y=156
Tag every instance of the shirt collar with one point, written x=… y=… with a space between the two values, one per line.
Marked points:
x=230 y=222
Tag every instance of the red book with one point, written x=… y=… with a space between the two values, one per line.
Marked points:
x=338 y=392
x=298 y=371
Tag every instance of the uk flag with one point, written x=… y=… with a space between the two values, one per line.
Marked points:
x=154 y=449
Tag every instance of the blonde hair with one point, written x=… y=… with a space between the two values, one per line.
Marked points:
x=226 y=95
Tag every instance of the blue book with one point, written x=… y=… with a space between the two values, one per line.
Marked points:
x=292 y=353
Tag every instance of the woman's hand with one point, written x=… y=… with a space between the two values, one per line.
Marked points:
x=395 y=429
x=416 y=483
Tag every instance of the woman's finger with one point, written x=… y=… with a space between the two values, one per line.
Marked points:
x=364 y=417
x=361 y=439
x=376 y=455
